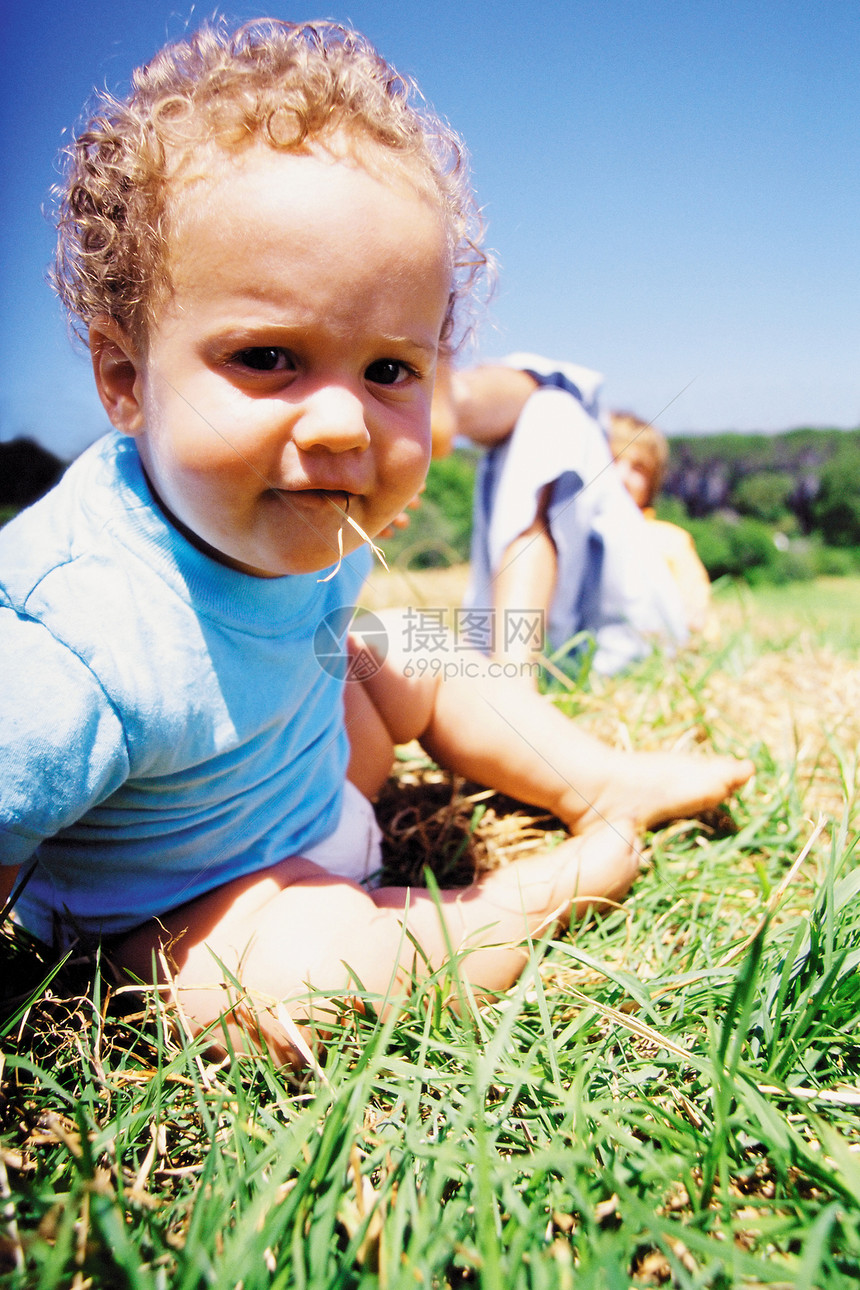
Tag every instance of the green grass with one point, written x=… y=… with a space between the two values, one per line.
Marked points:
x=828 y=609
x=669 y=1096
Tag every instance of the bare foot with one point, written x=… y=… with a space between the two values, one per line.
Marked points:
x=565 y=881
x=652 y=787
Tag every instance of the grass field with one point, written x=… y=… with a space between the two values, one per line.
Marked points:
x=825 y=610
x=670 y=1095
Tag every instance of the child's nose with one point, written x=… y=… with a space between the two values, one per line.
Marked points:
x=332 y=419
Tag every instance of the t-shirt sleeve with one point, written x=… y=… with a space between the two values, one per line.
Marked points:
x=62 y=745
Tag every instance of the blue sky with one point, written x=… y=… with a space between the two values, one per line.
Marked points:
x=671 y=187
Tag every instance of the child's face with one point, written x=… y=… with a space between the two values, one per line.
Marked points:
x=636 y=474
x=292 y=369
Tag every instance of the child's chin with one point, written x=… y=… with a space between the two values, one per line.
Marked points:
x=280 y=560
x=322 y=564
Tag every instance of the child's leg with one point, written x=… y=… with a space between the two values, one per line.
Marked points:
x=294 y=926
x=525 y=581
x=502 y=734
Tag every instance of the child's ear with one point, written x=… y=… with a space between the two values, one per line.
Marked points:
x=118 y=370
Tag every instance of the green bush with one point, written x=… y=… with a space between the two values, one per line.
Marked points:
x=729 y=547
x=440 y=529
x=809 y=558
x=764 y=495
x=712 y=543
x=428 y=541
x=837 y=562
x=836 y=509
x=800 y=563
x=752 y=546
x=746 y=549
x=450 y=485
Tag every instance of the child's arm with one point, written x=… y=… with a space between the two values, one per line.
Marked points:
x=64 y=745
x=483 y=404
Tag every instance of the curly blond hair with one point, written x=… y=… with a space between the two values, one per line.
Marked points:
x=285 y=84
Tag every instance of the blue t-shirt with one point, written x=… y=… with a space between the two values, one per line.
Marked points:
x=165 y=725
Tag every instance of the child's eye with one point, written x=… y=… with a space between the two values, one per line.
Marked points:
x=388 y=371
x=264 y=358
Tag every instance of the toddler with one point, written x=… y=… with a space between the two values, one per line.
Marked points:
x=641 y=454
x=265 y=246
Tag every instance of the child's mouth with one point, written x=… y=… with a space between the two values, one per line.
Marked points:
x=335 y=496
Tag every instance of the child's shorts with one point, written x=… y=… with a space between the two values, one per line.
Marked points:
x=354 y=850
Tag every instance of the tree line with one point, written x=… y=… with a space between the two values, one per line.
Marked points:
x=812 y=475
x=768 y=507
